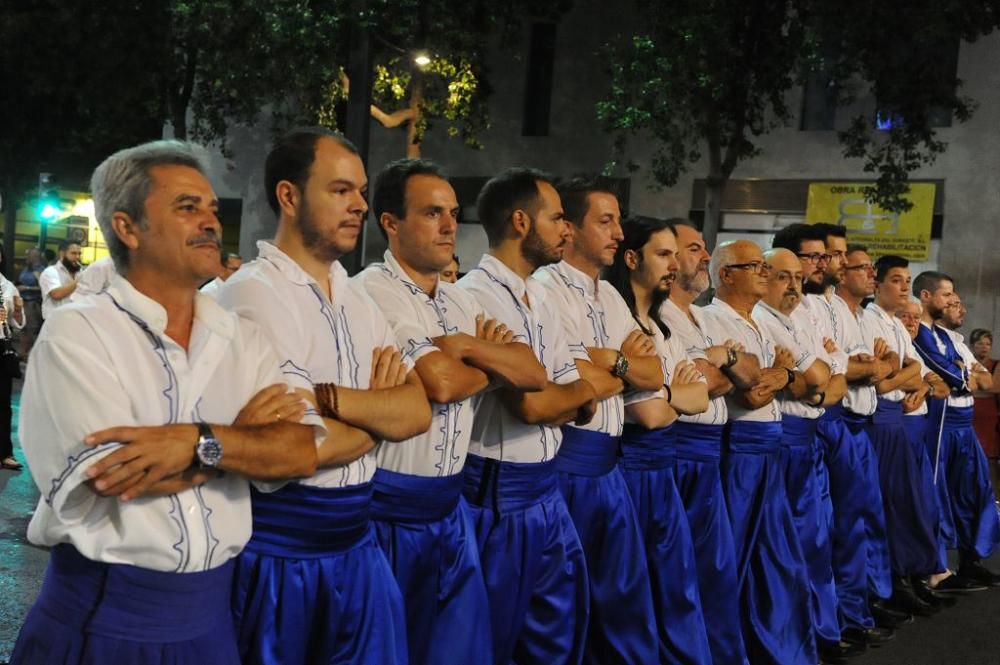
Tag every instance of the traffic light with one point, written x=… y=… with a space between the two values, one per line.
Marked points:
x=49 y=206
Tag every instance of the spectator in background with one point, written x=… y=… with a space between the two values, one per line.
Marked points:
x=11 y=316
x=32 y=295
x=450 y=272
x=986 y=416
x=58 y=281
x=50 y=257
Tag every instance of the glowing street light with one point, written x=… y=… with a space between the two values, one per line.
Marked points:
x=422 y=59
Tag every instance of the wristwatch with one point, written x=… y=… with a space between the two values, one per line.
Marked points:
x=731 y=357
x=791 y=377
x=620 y=368
x=208 y=450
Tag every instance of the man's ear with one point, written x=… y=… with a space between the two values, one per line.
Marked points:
x=631 y=259
x=389 y=223
x=289 y=198
x=520 y=221
x=126 y=228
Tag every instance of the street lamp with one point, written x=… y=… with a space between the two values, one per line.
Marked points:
x=421 y=59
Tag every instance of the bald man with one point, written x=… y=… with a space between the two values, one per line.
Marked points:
x=802 y=404
x=768 y=554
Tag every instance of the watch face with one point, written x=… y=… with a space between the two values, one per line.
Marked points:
x=209 y=452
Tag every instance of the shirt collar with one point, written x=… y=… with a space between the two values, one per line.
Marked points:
x=152 y=314
x=392 y=266
x=499 y=271
x=293 y=271
x=577 y=278
x=785 y=320
x=873 y=307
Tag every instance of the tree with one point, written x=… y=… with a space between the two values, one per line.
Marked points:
x=711 y=77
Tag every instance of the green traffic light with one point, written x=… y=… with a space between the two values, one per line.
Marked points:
x=48 y=211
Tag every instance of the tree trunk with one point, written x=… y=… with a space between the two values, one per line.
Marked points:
x=416 y=101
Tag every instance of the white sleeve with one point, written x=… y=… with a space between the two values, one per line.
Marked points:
x=70 y=391
x=413 y=340
x=48 y=280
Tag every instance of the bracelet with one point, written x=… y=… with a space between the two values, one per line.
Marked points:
x=670 y=393
x=327 y=400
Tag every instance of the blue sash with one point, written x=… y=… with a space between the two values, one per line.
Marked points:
x=888 y=413
x=832 y=413
x=585 y=452
x=753 y=437
x=796 y=432
x=698 y=443
x=508 y=486
x=300 y=521
x=648 y=449
x=114 y=613
x=401 y=497
x=957 y=417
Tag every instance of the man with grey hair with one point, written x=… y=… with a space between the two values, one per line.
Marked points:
x=144 y=504
x=781 y=631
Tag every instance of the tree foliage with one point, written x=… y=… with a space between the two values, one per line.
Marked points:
x=710 y=77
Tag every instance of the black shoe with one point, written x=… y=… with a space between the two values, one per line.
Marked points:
x=834 y=653
x=872 y=637
x=904 y=600
x=977 y=572
x=958 y=584
x=932 y=597
x=886 y=617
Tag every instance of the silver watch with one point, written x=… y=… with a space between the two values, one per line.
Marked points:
x=208 y=450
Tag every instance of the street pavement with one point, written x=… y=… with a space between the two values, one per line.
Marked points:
x=968 y=634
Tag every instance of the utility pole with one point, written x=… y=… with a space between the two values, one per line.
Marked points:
x=359 y=99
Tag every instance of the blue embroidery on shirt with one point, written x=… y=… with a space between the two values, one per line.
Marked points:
x=289 y=367
x=72 y=463
x=160 y=350
x=182 y=546
x=206 y=514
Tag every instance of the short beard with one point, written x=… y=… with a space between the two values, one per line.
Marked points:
x=535 y=251
x=936 y=314
x=832 y=279
x=72 y=267
x=313 y=240
x=690 y=283
x=813 y=289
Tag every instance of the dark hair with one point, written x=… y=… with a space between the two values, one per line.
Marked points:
x=856 y=247
x=825 y=230
x=48 y=254
x=887 y=263
x=454 y=257
x=792 y=236
x=510 y=190
x=225 y=256
x=929 y=280
x=390 y=186
x=980 y=333
x=574 y=193
x=292 y=157
x=66 y=244
x=682 y=221
x=637 y=231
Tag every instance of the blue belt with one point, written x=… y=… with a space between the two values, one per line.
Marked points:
x=585 y=452
x=132 y=603
x=300 y=521
x=402 y=497
x=958 y=416
x=887 y=413
x=508 y=486
x=831 y=413
x=698 y=442
x=797 y=431
x=754 y=437
x=646 y=449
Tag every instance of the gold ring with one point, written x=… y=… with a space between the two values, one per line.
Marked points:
x=277 y=415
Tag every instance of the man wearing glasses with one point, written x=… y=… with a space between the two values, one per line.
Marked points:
x=752 y=478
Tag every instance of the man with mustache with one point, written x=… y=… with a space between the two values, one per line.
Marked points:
x=612 y=354
x=144 y=503
x=58 y=281
x=533 y=564
x=751 y=471
x=423 y=523
x=313 y=585
x=860 y=548
x=969 y=516
x=644 y=270
x=802 y=404
x=725 y=366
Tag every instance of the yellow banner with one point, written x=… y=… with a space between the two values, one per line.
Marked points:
x=906 y=234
